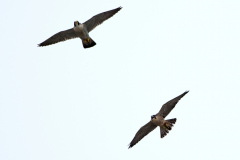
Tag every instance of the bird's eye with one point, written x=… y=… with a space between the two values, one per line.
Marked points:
x=153 y=116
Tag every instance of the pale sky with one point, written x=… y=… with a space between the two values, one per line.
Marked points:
x=64 y=102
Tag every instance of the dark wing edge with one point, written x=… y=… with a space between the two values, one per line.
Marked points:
x=100 y=18
x=142 y=132
x=167 y=107
x=58 y=37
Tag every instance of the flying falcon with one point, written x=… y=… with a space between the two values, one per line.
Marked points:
x=81 y=30
x=158 y=120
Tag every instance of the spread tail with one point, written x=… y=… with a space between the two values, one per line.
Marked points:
x=87 y=43
x=167 y=126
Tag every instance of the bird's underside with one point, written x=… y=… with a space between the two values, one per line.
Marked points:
x=158 y=120
x=81 y=29
x=59 y=37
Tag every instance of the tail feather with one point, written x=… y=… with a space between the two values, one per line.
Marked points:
x=172 y=121
x=88 y=43
x=167 y=126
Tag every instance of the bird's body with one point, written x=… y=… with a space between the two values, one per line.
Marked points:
x=81 y=30
x=158 y=120
x=82 y=33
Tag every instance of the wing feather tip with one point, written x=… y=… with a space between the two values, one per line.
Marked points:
x=186 y=92
x=130 y=146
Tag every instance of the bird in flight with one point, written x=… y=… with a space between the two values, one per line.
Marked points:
x=158 y=120
x=81 y=30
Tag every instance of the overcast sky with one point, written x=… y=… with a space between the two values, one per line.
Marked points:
x=64 y=102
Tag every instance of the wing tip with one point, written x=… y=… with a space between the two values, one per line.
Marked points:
x=118 y=9
x=43 y=45
x=183 y=94
x=130 y=146
x=40 y=45
x=186 y=91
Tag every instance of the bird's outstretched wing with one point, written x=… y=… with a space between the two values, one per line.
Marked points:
x=99 y=19
x=142 y=132
x=167 y=107
x=58 y=37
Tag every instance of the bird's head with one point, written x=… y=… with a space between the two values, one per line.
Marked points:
x=153 y=116
x=76 y=23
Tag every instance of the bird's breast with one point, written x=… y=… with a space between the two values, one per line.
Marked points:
x=158 y=120
x=78 y=28
x=81 y=31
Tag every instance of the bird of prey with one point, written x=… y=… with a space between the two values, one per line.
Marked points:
x=81 y=30
x=158 y=120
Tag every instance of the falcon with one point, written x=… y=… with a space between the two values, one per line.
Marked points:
x=81 y=30
x=158 y=120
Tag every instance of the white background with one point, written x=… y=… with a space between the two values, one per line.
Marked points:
x=64 y=102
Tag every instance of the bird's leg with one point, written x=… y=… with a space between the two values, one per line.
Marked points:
x=87 y=40
x=169 y=127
